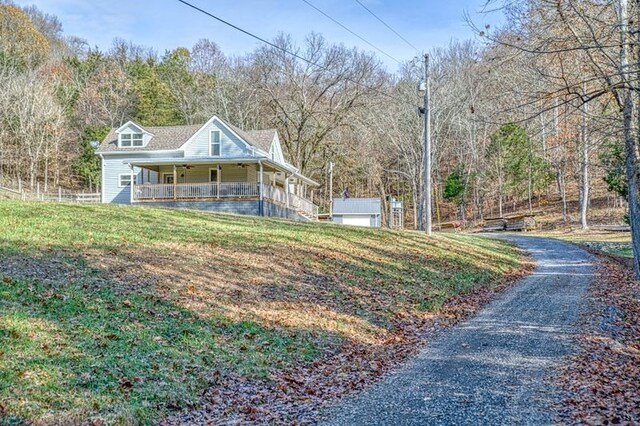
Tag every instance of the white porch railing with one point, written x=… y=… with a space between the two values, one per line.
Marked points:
x=275 y=194
x=190 y=191
x=303 y=205
x=197 y=191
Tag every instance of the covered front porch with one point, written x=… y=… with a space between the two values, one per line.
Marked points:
x=226 y=180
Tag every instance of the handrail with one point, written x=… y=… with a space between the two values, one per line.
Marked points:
x=181 y=191
x=209 y=190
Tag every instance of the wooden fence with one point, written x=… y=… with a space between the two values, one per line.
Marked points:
x=60 y=195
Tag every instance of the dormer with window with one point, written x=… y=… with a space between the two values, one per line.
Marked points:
x=129 y=140
x=132 y=136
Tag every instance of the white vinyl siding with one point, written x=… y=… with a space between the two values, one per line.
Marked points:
x=114 y=165
x=368 y=220
x=364 y=220
x=230 y=144
x=202 y=174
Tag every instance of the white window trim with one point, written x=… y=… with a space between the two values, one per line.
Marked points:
x=219 y=174
x=135 y=179
x=132 y=135
x=211 y=143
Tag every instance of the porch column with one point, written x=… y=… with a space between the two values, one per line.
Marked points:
x=261 y=178
x=175 y=182
x=218 y=182
x=286 y=188
x=131 y=186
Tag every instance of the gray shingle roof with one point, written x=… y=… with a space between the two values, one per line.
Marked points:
x=356 y=206
x=164 y=138
x=173 y=137
x=261 y=139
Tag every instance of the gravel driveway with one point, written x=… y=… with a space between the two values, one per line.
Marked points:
x=490 y=370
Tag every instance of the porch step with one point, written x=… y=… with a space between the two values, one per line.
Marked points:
x=306 y=215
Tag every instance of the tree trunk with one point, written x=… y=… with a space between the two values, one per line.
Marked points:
x=500 y=195
x=630 y=142
x=632 y=181
x=530 y=176
x=563 y=195
x=584 y=175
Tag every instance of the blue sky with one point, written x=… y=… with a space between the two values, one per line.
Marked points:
x=167 y=24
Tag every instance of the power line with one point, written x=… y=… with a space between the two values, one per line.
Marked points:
x=350 y=31
x=387 y=25
x=282 y=49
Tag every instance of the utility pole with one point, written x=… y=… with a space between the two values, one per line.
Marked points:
x=426 y=198
x=331 y=189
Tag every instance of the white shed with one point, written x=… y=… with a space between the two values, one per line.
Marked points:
x=357 y=211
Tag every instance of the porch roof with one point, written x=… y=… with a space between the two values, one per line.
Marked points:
x=225 y=160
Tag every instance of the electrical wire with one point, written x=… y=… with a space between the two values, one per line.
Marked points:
x=388 y=26
x=282 y=49
x=350 y=31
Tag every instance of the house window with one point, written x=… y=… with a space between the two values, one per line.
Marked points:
x=215 y=143
x=213 y=175
x=130 y=139
x=125 y=180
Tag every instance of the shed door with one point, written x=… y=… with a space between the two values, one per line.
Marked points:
x=357 y=220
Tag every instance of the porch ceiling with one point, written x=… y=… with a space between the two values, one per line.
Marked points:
x=268 y=165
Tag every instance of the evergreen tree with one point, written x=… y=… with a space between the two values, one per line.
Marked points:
x=87 y=165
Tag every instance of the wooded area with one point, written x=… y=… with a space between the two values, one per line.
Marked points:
x=544 y=107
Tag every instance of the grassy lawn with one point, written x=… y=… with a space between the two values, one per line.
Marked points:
x=130 y=314
x=614 y=243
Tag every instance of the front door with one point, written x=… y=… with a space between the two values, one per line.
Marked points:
x=167 y=191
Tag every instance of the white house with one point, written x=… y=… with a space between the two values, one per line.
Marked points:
x=213 y=166
x=357 y=211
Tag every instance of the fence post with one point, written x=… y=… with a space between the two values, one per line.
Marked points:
x=59 y=194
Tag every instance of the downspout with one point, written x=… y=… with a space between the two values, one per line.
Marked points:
x=101 y=178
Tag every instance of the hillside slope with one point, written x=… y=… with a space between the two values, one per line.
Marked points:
x=129 y=314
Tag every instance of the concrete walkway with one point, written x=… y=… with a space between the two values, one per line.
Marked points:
x=491 y=369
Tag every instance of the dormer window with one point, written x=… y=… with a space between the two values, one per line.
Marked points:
x=128 y=140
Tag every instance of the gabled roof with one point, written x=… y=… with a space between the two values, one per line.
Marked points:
x=356 y=206
x=261 y=139
x=137 y=126
x=166 y=138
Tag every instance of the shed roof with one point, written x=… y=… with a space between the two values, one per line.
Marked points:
x=342 y=206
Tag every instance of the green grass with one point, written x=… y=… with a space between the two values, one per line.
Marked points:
x=129 y=313
x=613 y=243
